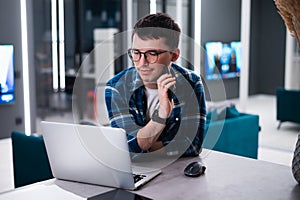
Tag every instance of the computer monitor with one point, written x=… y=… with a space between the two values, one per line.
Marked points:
x=223 y=60
x=7 y=81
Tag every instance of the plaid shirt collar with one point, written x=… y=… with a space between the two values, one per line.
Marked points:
x=136 y=83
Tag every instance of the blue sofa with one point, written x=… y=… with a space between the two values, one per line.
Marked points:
x=232 y=132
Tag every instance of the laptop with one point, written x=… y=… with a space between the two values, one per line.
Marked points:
x=93 y=154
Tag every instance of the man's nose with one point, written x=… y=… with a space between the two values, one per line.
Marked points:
x=143 y=60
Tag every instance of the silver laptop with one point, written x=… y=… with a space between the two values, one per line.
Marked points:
x=93 y=154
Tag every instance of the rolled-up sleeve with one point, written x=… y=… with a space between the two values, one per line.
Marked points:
x=120 y=117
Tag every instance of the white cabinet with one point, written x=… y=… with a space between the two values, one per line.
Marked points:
x=104 y=59
x=292 y=63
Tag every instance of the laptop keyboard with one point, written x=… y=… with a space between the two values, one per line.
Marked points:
x=138 y=177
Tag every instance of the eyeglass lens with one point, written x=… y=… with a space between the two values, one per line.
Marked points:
x=150 y=56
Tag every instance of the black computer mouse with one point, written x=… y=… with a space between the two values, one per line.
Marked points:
x=194 y=169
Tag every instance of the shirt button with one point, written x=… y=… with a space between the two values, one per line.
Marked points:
x=176 y=119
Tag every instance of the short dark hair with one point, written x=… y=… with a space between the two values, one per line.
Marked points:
x=159 y=25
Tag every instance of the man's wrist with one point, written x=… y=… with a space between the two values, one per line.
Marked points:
x=156 y=118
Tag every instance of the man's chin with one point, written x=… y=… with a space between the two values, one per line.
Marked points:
x=148 y=80
x=150 y=83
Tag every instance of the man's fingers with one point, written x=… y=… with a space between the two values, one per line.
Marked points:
x=167 y=83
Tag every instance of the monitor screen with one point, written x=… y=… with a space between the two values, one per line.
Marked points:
x=7 y=82
x=223 y=60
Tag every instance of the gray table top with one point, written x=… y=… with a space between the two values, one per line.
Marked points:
x=226 y=177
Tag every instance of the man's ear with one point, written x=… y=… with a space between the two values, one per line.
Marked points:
x=175 y=55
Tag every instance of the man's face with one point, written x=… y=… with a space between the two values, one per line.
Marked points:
x=150 y=72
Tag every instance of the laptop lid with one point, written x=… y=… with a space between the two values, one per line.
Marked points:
x=90 y=154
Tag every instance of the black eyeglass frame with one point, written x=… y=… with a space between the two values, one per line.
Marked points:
x=157 y=53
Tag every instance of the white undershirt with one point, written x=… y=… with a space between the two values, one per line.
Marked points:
x=152 y=101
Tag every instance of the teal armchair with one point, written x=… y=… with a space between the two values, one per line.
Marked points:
x=288 y=105
x=30 y=160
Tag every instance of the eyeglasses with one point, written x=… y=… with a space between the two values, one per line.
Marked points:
x=151 y=56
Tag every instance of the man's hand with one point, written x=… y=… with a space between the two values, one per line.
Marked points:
x=164 y=82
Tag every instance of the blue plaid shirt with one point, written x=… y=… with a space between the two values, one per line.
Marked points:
x=126 y=104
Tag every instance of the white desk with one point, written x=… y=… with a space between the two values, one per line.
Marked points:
x=227 y=177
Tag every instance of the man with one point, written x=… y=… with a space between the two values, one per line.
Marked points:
x=157 y=102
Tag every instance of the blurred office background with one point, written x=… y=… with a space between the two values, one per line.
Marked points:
x=57 y=63
x=61 y=35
